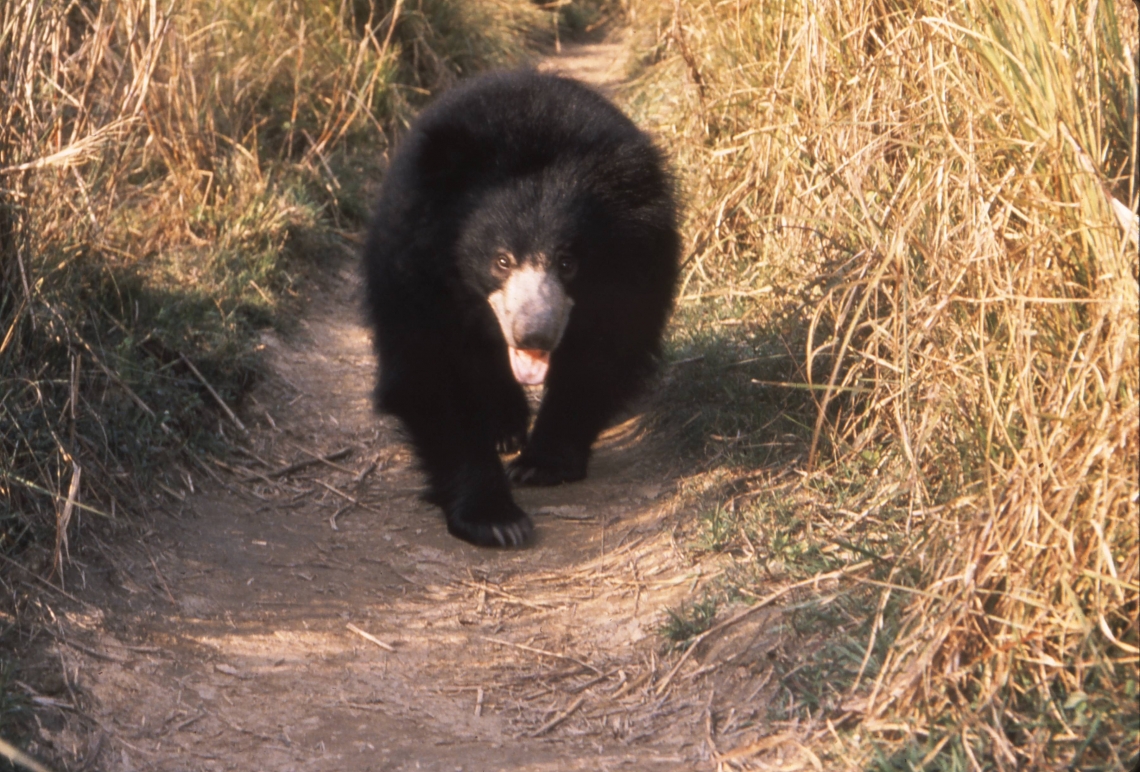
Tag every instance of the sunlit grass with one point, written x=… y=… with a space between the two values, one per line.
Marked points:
x=930 y=207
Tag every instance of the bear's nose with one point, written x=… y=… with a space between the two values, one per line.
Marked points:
x=541 y=337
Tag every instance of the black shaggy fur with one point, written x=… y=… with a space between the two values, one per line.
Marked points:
x=535 y=164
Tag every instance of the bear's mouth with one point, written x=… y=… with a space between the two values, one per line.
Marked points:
x=532 y=309
x=529 y=365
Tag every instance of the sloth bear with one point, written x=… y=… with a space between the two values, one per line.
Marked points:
x=525 y=234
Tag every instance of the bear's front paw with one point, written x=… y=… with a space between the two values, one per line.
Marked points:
x=510 y=443
x=540 y=469
x=502 y=526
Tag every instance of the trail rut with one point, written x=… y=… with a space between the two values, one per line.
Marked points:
x=324 y=620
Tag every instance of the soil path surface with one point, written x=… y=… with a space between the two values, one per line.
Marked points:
x=322 y=618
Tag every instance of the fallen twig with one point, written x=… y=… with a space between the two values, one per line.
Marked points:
x=584 y=686
x=559 y=718
x=41 y=699
x=93 y=652
x=369 y=637
x=338 y=513
x=338 y=492
x=326 y=460
x=508 y=596
x=289 y=469
x=162 y=580
x=358 y=706
x=225 y=408
x=247 y=474
x=366 y=471
x=17 y=756
x=542 y=652
x=352 y=500
x=191 y=720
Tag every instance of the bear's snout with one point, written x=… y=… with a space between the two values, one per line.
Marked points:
x=533 y=308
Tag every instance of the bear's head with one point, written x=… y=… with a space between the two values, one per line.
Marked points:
x=521 y=249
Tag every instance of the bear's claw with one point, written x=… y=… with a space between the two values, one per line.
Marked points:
x=515 y=534
x=502 y=533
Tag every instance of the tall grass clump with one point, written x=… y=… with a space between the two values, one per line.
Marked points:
x=165 y=170
x=943 y=193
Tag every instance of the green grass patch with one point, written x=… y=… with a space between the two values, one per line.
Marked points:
x=684 y=624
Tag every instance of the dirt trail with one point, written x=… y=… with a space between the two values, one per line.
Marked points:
x=270 y=623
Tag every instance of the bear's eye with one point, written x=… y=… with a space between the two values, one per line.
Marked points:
x=567 y=267
x=503 y=262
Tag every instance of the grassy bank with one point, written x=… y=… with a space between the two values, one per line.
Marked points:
x=169 y=173
x=913 y=280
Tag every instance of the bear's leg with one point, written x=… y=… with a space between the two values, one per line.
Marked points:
x=457 y=451
x=490 y=393
x=582 y=395
x=509 y=429
x=503 y=405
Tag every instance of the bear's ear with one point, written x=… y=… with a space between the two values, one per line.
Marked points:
x=450 y=150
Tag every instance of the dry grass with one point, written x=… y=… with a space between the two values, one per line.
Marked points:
x=941 y=195
x=166 y=170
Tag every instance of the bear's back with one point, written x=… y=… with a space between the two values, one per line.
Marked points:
x=527 y=118
x=512 y=124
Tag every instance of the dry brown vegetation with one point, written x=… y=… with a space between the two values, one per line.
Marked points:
x=164 y=168
x=941 y=197
x=159 y=165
